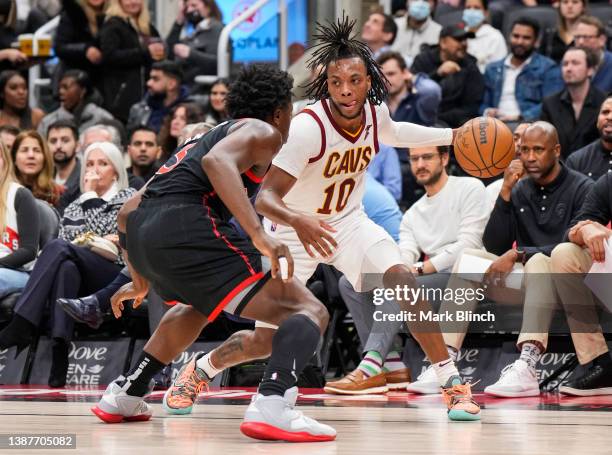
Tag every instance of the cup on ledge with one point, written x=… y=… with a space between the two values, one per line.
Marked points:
x=26 y=44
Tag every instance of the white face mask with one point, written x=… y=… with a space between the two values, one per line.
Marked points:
x=473 y=17
x=419 y=10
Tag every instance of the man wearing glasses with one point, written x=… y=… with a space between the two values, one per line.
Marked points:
x=591 y=34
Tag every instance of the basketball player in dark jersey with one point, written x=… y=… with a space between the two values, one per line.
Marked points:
x=181 y=243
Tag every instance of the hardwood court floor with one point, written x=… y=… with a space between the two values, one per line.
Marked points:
x=400 y=423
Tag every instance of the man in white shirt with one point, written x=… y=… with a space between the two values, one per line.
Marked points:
x=415 y=29
x=450 y=217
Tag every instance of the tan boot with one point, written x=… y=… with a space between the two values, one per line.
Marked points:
x=356 y=383
x=398 y=379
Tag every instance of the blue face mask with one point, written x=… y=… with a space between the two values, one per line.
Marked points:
x=419 y=10
x=473 y=17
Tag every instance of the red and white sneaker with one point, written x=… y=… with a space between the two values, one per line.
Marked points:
x=117 y=406
x=272 y=418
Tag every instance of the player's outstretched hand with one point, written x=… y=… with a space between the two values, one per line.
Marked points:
x=127 y=292
x=277 y=252
x=315 y=233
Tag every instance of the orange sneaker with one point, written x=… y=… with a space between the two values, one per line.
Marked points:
x=184 y=391
x=458 y=398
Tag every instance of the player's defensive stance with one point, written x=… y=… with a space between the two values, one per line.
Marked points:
x=180 y=241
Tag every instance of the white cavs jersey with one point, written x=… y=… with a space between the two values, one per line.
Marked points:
x=329 y=165
x=328 y=162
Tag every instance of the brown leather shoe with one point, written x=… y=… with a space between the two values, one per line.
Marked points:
x=355 y=383
x=398 y=379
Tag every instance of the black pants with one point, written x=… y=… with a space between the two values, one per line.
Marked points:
x=62 y=270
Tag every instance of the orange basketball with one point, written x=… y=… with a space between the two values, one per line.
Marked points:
x=484 y=147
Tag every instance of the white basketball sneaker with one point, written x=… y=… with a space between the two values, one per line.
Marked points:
x=516 y=380
x=273 y=418
x=117 y=406
x=427 y=383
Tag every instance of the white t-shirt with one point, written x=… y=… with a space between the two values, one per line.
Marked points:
x=488 y=46
x=445 y=224
x=508 y=106
x=330 y=163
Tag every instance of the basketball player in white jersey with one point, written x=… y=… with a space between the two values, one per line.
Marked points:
x=312 y=200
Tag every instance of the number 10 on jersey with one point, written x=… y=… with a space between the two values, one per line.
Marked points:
x=338 y=191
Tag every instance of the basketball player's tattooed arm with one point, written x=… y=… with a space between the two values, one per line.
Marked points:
x=251 y=147
x=312 y=232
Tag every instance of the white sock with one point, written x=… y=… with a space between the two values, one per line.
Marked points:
x=530 y=354
x=445 y=370
x=204 y=363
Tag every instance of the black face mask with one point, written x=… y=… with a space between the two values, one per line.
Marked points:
x=194 y=17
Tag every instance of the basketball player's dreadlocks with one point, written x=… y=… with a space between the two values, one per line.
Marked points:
x=336 y=43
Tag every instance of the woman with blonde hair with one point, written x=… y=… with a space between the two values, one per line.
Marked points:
x=77 y=39
x=65 y=269
x=33 y=166
x=130 y=44
x=555 y=41
x=19 y=228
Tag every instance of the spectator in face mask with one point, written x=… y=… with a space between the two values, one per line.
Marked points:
x=489 y=44
x=416 y=29
x=194 y=37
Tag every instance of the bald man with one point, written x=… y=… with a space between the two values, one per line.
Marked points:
x=532 y=213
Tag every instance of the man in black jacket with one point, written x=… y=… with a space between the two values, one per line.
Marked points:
x=456 y=71
x=164 y=92
x=574 y=109
x=588 y=236
x=595 y=159
x=533 y=212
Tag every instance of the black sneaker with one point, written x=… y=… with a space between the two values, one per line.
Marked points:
x=596 y=381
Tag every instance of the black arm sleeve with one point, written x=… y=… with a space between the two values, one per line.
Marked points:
x=499 y=234
x=29 y=231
